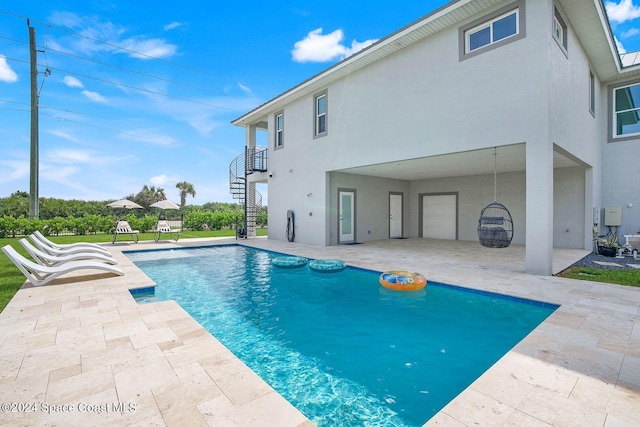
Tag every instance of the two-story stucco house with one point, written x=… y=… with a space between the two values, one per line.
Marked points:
x=398 y=140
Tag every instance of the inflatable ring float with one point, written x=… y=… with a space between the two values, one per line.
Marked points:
x=289 y=262
x=327 y=265
x=401 y=280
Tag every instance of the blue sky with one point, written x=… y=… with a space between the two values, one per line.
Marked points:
x=140 y=94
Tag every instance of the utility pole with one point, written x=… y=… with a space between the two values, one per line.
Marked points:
x=34 y=201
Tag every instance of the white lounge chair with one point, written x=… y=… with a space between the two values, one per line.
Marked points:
x=163 y=227
x=53 y=248
x=44 y=258
x=123 y=227
x=44 y=247
x=40 y=275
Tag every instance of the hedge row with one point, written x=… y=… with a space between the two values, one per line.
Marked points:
x=96 y=224
x=87 y=224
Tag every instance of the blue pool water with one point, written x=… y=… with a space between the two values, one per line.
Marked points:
x=340 y=347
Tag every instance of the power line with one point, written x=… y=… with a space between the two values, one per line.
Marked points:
x=117 y=67
x=104 y=128
x=143 y=90
x=67 y=111
x=130 y=87
x=121 y=47
x=59 y=118
x=130 y=70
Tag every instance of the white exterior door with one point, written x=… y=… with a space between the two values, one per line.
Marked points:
x=346 y=219
x=395 y=216
x=439 y=216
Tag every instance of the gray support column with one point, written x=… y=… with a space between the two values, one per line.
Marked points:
x=539 y=239
x=251 y=209
x=588 y=207
x=250 y=200
x=251 y=136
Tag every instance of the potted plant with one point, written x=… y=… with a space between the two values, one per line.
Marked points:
x=608 y=245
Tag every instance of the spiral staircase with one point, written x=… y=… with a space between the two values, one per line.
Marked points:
x=254 y=159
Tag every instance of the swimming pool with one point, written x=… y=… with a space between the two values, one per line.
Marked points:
x=340 y=347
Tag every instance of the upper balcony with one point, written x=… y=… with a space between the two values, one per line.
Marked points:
x=256 y=160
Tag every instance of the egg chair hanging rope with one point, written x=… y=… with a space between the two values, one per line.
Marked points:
x=495 y=226
x=495 y=174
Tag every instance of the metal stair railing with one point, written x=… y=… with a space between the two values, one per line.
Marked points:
x=252 y=160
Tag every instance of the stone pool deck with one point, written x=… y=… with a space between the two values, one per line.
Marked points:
x=81 y=351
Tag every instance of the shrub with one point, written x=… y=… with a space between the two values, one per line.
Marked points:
x=144 y=224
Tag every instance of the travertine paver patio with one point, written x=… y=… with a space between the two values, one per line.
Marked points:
x=85 y=343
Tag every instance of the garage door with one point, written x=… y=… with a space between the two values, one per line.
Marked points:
x=439 y=216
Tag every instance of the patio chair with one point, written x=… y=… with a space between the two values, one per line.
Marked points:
x=44 y=258
x=124 y=228
x=163 y=227
x=40 y=275
x=84 y=246
x=67 y=250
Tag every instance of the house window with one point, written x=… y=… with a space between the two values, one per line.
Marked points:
x=501 y=27
x=320 y=114
x=279 y=136
x=559 y=29
x=626 y=111
x=493 y=31
x=592 y=94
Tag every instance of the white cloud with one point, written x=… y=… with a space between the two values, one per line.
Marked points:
x=623 y=11
x=630 y=33
x=172 y=26
x=149 y=136
x=72 y=82
x=145 y=48
x=69 y=156
x=93 y=29
x=318 y=47
x=94 y=96
x=246 y=89
x=80 y=158
x=12 y=170
x=203 y=123
x=619 y=46
x=63 y=135
x=164 y=180
x=7 y=75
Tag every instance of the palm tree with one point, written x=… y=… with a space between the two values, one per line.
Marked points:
x=185 y=188
x=149 y=195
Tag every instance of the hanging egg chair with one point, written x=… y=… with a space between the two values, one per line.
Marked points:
x=495 y=226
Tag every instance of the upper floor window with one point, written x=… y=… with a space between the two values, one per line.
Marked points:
x=279 y=135
x=498 y=28
x=626 y=111
x=592 y=93
x=320 y=114
x=493 y=31
x=559 y=29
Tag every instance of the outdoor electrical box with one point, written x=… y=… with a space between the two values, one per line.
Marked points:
x=596 y=215
x=613 y=216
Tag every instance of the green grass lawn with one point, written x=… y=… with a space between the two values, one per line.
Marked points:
x=620 y=277
x=11 y=279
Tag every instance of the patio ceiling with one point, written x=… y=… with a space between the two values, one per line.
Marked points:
x=511 y=158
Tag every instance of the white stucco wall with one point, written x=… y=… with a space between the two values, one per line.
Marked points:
x=474 y=193
x=421 y=101
x=372 y=204
x=621 y=184
x=424 y=101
